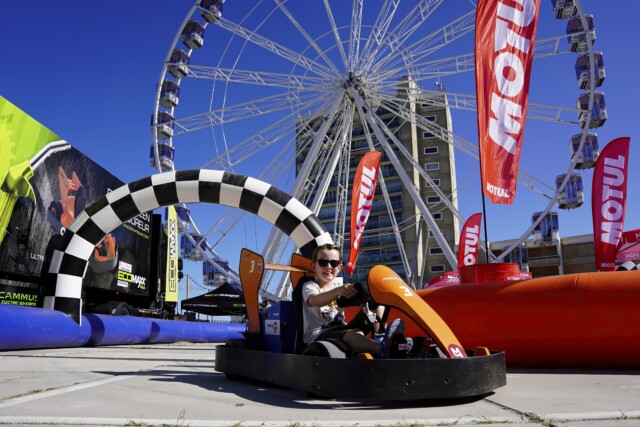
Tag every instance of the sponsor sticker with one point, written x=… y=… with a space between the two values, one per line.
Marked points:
x=456 y=352
x=271 y=327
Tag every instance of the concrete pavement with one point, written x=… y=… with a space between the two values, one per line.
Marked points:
x=176 y=385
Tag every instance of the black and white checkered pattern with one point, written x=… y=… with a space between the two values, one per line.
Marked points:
x=69 y=262
x=628 y=266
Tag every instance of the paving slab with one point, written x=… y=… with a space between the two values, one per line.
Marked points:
x=176 y=385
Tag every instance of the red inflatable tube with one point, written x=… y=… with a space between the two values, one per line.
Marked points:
x=577 y=320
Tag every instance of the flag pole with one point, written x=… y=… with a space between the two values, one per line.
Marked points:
x=484 y=210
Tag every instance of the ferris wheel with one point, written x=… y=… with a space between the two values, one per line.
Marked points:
x=287 y=91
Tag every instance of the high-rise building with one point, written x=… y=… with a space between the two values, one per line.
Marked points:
x=424 y=258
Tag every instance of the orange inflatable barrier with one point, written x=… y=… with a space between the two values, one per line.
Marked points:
x=576 y=320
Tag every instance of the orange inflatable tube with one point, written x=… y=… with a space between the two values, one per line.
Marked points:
x=575 y=320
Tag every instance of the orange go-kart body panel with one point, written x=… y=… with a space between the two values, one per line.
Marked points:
x=388 y=289
x=252 y=268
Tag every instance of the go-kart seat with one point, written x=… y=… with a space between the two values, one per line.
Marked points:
x=297 y=299
x=333 y=348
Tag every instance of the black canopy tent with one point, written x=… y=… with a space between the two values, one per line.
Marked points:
x=225 y=300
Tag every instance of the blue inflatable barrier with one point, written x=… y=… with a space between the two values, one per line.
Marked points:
x=164 y=331
x=28 y=328
x=117 y=330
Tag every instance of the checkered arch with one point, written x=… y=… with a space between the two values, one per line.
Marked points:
x=69 y=262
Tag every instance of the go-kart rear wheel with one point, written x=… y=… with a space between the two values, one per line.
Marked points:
x=121 y=310
x=237 y=343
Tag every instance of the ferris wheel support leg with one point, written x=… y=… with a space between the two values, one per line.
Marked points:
x=409 y=185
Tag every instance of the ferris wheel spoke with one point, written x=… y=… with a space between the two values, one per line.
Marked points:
x=396 y=105
x=356 y=28
x=306 y=36
x=524 y=178
x=446 y=199
x=379 y=30
x=275 y=48
x=246 y=110
x=397 y=233
x=395 y=38
x=442 y=67
x=342 y=184
x=305 y=178
x=336 y=34
x=460 y=101
x=268 y=136
x=551 y=46
x=434 y=69
x=365 y=111
x=305 y=132
x=262 y=78
x=426 y=46
x=324 y=145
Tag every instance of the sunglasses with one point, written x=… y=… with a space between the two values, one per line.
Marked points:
x=324 y=262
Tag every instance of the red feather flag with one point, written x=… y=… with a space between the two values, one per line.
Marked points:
x=609 y=200
x=469 y=241
x=505 y=35
x=364 y=187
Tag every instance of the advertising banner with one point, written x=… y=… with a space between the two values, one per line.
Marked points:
x=362 y=192
x=629 y=247
x=469 y=240
x=445 y=279
x=505 y=36
x=171 y=291
x=609 y=200
x=46 y=184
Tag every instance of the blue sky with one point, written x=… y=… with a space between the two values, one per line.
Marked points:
x=90 y=76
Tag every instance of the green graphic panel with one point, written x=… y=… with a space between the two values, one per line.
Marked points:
x=21 y=136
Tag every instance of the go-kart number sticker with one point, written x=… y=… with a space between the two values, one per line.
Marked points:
x=256 y=267
x=406 y=291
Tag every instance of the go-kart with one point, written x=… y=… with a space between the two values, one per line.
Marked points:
x=272 y=351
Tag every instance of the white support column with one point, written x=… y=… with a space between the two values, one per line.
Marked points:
x=408 y=183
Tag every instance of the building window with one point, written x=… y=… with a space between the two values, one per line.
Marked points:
x=426 y=134
x=438 y=268
x=433 y=166
x=436 y=182
x=437 y=216
x=430 y=150
x=435 y=251
x=433 y=199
